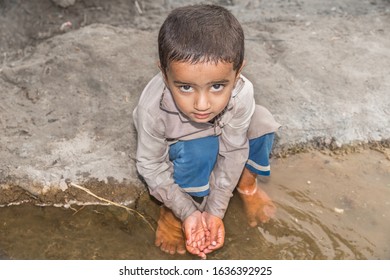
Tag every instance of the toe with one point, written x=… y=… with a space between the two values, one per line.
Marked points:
x=266 y=213
x=252 y=223
x=251 y=216
x=158 y=242
x=172 y=250
x=181 y=250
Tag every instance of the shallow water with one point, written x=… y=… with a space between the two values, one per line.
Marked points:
x=328 y=208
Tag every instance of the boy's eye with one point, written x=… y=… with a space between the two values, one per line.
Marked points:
x=217 y=87
x=186 y=88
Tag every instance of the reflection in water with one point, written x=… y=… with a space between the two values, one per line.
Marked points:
x=328 y=208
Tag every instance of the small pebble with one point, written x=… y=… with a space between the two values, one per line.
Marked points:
x=339 y=210
x=66 y=26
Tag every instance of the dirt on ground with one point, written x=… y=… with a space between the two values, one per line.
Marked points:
x=330 y=205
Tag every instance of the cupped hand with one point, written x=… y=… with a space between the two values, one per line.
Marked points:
x=194 y=231
x=215 y=233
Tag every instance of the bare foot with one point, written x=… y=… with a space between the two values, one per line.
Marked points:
x=258 y=206
x=169 y=235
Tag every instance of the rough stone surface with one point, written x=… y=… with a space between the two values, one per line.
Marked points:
x=64 y=3
x=66 y=102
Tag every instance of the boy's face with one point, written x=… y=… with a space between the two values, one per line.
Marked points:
x=202 y=90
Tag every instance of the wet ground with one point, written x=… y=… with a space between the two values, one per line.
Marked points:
x=329 y=207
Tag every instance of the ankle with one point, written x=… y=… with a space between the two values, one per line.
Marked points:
x=247 y=183
x=247 y=191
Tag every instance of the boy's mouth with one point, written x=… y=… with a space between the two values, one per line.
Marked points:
x=202 y=116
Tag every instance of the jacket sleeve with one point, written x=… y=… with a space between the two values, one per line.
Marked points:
x=154 y=166
x=233 y=152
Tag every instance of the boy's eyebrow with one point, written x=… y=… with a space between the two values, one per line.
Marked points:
x=181 y=83
x=223 y=81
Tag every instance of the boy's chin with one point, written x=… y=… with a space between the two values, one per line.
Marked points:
x=201 y=120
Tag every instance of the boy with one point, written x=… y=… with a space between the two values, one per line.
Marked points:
x=200 y=132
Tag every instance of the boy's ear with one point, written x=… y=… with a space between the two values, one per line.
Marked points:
x=239 y=70
x=242 y=67
x=164 y=74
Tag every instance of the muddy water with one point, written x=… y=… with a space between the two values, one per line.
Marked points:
x=329 y=207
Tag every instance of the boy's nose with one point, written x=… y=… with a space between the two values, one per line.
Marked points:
x=202 y=102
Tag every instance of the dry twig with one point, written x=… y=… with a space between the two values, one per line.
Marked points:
x=111 y=202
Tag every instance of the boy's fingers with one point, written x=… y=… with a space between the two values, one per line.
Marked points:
x=193 y=250
x=198 y=240
x=200 y=243
x=199 y=252
x=188 y=239
x=196 y=251
x=188 y=235
x=213 y=235
x=217 y=241
x=221 y=237
x=207 y=251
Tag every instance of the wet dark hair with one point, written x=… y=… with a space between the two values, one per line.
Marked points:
x=201 y=33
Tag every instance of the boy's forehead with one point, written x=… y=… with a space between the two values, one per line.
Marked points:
x=210 y=67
